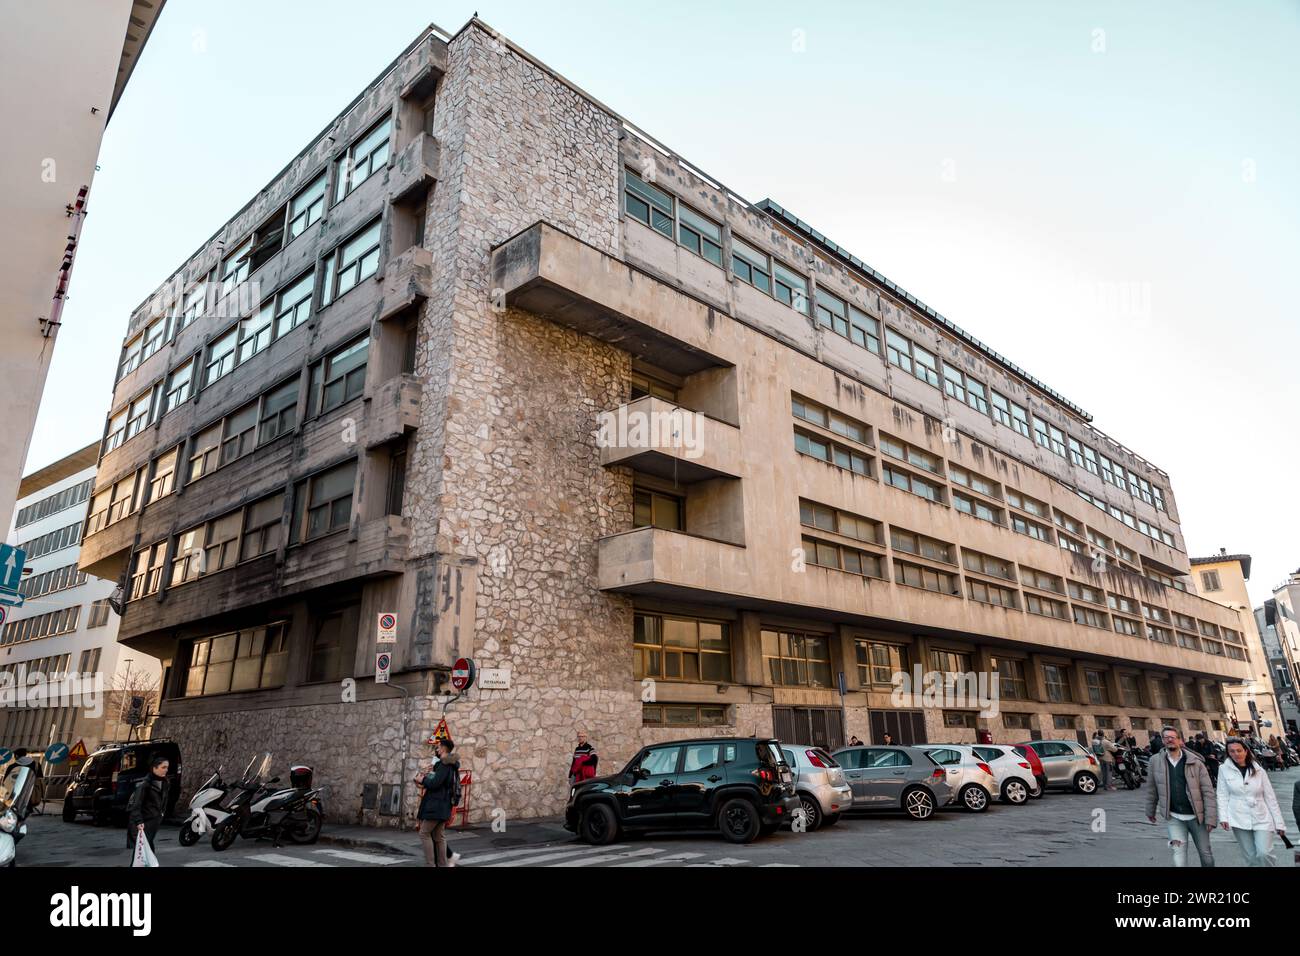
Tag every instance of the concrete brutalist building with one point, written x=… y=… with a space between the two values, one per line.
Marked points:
x=386 y=385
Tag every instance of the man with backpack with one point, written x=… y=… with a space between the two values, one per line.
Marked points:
x=441 y=786
x=1104 y=751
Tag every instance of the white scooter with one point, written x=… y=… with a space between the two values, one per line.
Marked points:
x=15 y=803
x=203 y=810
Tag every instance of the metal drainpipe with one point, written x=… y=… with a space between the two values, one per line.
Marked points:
x=406 y=751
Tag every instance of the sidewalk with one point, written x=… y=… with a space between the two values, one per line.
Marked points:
x=474 y=838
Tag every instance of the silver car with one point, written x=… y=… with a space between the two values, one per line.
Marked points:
x=894 y=778
x=819 y=783
x=1067 y=764
x=970 y=779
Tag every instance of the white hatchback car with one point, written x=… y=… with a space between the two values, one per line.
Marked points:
x=1015 y=776
x=970 y=779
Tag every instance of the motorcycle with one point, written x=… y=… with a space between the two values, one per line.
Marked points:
x=1126 y=768
x=203 y=811
x=15 y=804
x=255 y=808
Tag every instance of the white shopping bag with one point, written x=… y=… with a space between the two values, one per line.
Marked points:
x=143 y=855
x=199 y=822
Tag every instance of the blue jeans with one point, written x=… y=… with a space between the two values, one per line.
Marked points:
x=1256 y=846
x=1180 y=831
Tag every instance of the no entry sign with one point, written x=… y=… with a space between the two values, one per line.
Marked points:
x=462 y=674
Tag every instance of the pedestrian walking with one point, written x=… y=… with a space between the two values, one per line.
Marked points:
x=1248 y=805
x=1184 y=797
x=1295 y=804
x=583 y=765
x=1104 y=751
x=441 y=783
x=889 y=740
x=148 y=803
x=854 y=741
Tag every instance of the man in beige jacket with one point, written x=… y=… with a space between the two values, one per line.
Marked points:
x=1183 y=794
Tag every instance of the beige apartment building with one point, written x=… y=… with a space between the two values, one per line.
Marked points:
x=664 y=462
x=1253 y=704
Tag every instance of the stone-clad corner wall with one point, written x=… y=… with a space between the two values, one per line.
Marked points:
x=506 y=469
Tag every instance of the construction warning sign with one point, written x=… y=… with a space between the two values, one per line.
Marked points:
x=78 y=751
x=440 y=732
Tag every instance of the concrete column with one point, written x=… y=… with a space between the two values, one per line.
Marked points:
x=848 y=660
x=1078 y=683
x=747 y=650
x=1034 y=678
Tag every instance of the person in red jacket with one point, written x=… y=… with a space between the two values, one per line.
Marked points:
x=583 y=766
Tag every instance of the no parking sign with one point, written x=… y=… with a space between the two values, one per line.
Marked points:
x=387 y=630
x=383 y=663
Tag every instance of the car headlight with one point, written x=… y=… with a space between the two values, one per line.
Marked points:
x=8 y=821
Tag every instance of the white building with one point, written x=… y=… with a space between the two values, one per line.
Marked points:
x=65 y=625
x=63 y=65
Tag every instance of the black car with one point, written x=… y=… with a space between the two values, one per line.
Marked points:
x=740 y=786
x=105 y=782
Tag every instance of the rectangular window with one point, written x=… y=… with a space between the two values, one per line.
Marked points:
x=279 y=411
x=329 y=500
x=987 y=564
x=836 y=454
x=355 y=260
x=155 y=334
x=262 y=527
x=1090 y=618
x=293 y=305
x=838 y=557
x=250 y=659
x=928 y=579
x=307 y=207
x=238 y=436
x=1210 y=581
x=193 y=305
x=254 y=333
x=666 y=647
x=648 y=203
x=367 y=156
x=99 y=613
x=878 y=663
x=825 y=518
x=1029 y=528
x=920 y=545
x=1046 y=607
x=994 y=594
x=702 y=236
x=179 y=386
x=146 y=570
x=796 y=660
x=791 y=288
x=911 y=358
x=974 y=481
x=911 y=454
x=864 y=330
x=751 y=266
x=235 y=267
x=344 y=374
x=976 y=508
x=832 y=312
x=221 y=356
x=655 y=509
x=906 y=481
x=163 y=482
x=130 y=359
x=1056 y=684
x=1011 y=678
x=830 y=420
x=116 y=431
x=137 y=415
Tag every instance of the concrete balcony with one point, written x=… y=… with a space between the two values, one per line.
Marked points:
x=424 y=67
x=664 y=439
x=414 y=169
x=654 y=561
x=105 y=552
x=552 y=274
x=394 y=410
x=408 y=281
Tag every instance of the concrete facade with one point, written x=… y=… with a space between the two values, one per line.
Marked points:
x=515 y=305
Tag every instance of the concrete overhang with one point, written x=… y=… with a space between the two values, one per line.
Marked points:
x=551 y=274
x=144 y=15
x=663 y=439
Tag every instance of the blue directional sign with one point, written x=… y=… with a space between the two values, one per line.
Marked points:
x=5 y=755
x=56 y=753
x=12 y=561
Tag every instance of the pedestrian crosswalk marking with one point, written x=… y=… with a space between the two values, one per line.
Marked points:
x=522 y=851
x=281 y=859
x=373 y=859
x=674 y=858
x=208 y=863
x=560 y=854
x=592 y=860
x=724 y=861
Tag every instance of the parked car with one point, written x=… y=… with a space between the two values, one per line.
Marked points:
x=1036 y=767
x=894 y=778
x=818 y=783
x=1015 y=774
x=1068 y=765
x=970 y=779
x=104 y=784
x=739 y=786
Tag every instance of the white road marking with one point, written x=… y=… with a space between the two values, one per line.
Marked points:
x=724 y=861
x=587 y=851
x=521 y=851
x=593 y=860
x=281 y=859
x=674 y=858
x=372 y=859
x=208 y=863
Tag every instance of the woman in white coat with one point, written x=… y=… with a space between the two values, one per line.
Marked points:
x=1247 y=805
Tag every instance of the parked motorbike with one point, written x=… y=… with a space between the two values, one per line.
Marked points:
x=203 y=810
x=255 y=808
x=1126 y=768
x=15 y=804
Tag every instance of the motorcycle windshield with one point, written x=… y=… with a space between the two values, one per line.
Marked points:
x=16 y=789
x=259 y=769
x=211 y=782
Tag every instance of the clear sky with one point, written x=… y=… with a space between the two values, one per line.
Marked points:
x=1107 y=193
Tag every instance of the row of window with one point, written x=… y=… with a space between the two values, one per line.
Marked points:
x=367 y=156
x=839 y=556
x=49 y=666
x=51 y=624
x=331 y=382
x=353 y=261
x=59 y=501
x=64 y=537
x=59 y=579
x=848 y=458
x=322 y=504
x=666 y=214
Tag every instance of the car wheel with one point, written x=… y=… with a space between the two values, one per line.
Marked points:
x=599 y=826
x=919 y=803
x=69 y=812
x=1015 y=791
x=1085 y=783
x=738 y=820
x=812 y=813
x=974 y=798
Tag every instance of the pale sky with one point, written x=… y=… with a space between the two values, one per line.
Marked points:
x=1106 y=193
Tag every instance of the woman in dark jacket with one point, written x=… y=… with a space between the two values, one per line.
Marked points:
x=148 y=803
x=436 y=804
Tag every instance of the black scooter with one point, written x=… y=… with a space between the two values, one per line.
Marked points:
x=1126 y=768
x=253 y=809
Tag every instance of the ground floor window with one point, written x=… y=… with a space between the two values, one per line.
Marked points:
x=798 y=660
x=668 y=647
x=1016 y=721
x=959 y=718
x=684 y=715
x=248 y=659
